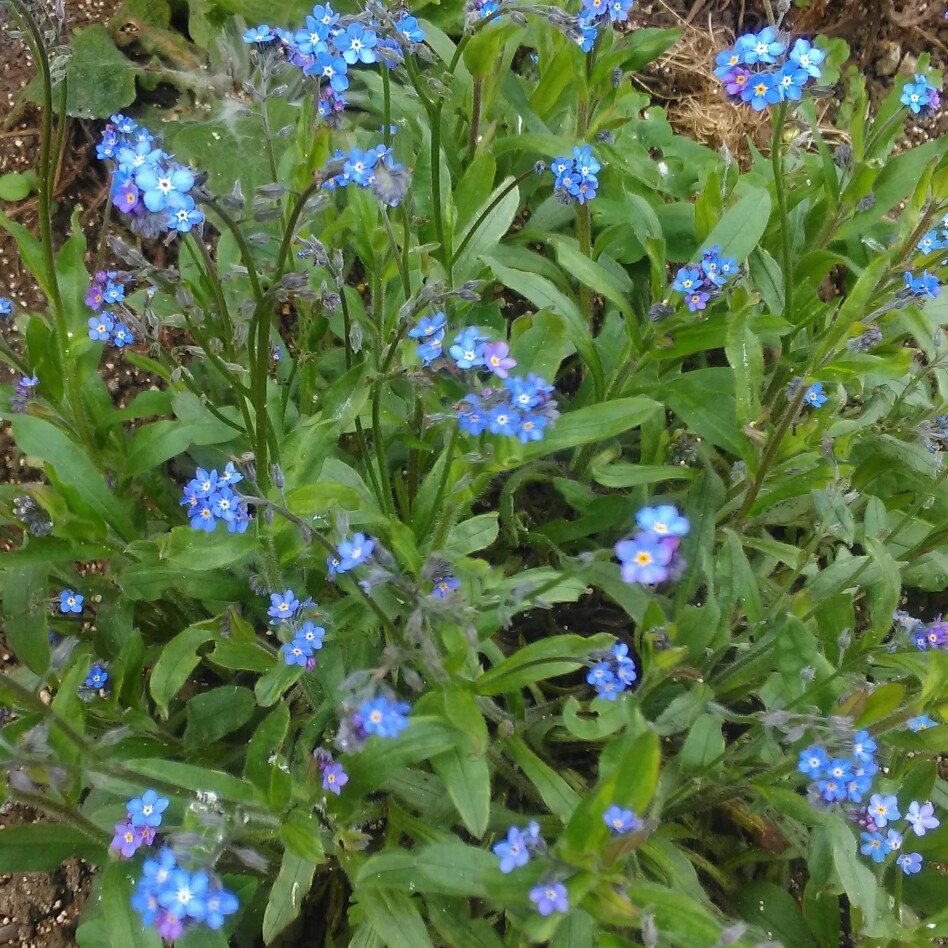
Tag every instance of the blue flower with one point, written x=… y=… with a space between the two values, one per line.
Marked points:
x=218 y=904
x=429 y=327
x=645 y=559
x=202 y=515
x=409 y=28
x=925 y=285
x=813 y=762
x=325 y=15
x=204 y=482
x=356 y=44
x=524 y=393
x=625 y=666
x=6 y=306
x=468 y=349
x=123 y=123
x=688 y=279
x=839 y=769
x=503 y=420
x=909 y=863
x=531 y=428
x=383 y=717
x=663 y=521
x=832 y=790
x=429 y=350
x=259 y=34
x=808 y=57
x=894 y=839
x=882 y=809
x=70 y=601
x=550 y=898
x=146 y=810
x=297 y=652
x=513 y=851
x=157 y=872
x=354 y=552
x=922 y=723
x=619 y=820
x=159 y=182
x=814 y=395
x=791 y=80
x=857 y=788
x=229 y=475
x=599 y=674
x=915 y=95
x=921 y=817
x=874 y=846
x=185 y=894
x=182 y=214
x=331 y=68
x=761 y=47
x=445 y=585
x=762 y=90
x=584 y=161
x=97 y=677
x=312 y=634
x=122 y=336
x=727 y=60
x=283 y=606
x=863 y=746
x=470 y=417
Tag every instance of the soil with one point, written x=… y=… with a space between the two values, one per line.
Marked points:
x=41 y=909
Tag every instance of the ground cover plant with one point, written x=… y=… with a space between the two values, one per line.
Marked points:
x=539 y=531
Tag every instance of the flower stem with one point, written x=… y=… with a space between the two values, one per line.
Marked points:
x=776 y=158
x=584 y=229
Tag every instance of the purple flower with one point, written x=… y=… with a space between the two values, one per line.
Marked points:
x=127 y=839
x=497 y=359
x=550 y=898
x=645 y=559
x=334 y=778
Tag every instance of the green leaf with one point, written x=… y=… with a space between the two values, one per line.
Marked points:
x=122 y=922
x=177 y=660
x=557 y=794
x=623 y=474
x=682 y=920
x=774 y=910
x=152 y=445
x=301 y=835
x=768 y=280
x=855 y=877
x=346 y=398
x=746 y=357
x=703 y=746
x=15 y=186
x=704 y=400
x=267 y=740
x=273 y=685
x=25 y=619
x=488 y=235
x=242 y=656
x=593 y=275
x=41 y=847
x=197 y=551
x=471 y=535
x=42 y=439
x=321 y=498
x=547 y=658
x=292 y=884
x=395 y=918
x=539 y=343
x=215 y=713
x=191 y=777
x=740 y=230
x=101 y=80
x=593 y=423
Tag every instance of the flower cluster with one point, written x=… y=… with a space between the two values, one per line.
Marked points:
x=350 y=554
x=597 y=13
x=521 y=409
x=210 y=499
x=147 y=185
x=920 y=97
x=759 y=71
x=651 y=555
x=702 y=283
x=328 y=45
x=288 y=612
x=105 y=324
x=576 y=180
x=374 y=169
x=174 y=900
x=334 y=776
x=848 y=779
x=23 y=391
x=142 y=818
x=611 y=676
